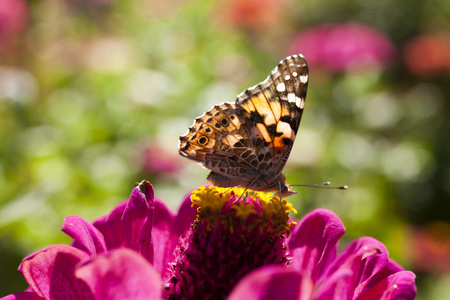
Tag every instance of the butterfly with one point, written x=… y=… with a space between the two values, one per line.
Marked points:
x=247 y=143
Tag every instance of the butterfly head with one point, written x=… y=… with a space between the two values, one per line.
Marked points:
x=286 y=191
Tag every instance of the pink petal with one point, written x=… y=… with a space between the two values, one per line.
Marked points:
x=400 y=285
x=313 y=241
x=111 y=227
x=273 y=282
x=23 y=296
x=164 y=237
x=137 y=220
x=186 y=216
x=380 y=270
x=121 y=274
x=361 y=257
x=50 y=273
x=86 y=236
x=335 y=286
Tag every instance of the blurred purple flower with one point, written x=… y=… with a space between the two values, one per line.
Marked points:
x=235 y=247
x=343 y=47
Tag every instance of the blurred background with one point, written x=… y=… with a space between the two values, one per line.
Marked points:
x=95 y=93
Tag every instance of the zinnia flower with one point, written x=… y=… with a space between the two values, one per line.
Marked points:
x=344 y=47
x=221 y=244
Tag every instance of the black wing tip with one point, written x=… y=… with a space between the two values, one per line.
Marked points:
x=298 y=58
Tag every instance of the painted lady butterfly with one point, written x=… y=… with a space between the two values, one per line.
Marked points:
x=247 y=143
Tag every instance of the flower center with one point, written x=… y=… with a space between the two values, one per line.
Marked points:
x=233 y=234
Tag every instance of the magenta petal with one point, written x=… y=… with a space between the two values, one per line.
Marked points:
x=50 y=273
x=313 y=240
x=376 y=268
x=23 y=296
x=335 y=286
x=137 y=220
x=362 y=257
x=85 y=235
x=400 y=285
x=186 y=215
x=111 y=227
x=273 y=282
x=121 y=274
x=164 y=237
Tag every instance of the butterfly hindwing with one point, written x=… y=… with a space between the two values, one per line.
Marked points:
x=220 y=141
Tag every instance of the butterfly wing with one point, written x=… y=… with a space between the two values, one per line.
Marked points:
x=239 y=142
x=220 y=141
x=275 y=107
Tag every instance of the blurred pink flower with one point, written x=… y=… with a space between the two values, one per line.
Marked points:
x=251 y=14
x=88 y=3
x=228 y=246
x=13 y=20
x=343 y=47
x=430 y=248
x=428 y=55
x=157 y=160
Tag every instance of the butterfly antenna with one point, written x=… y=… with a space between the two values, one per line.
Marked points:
x=324 y=185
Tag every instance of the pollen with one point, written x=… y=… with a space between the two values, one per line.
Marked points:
x=243 y=210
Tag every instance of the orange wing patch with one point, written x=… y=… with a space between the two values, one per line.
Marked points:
x=263 y=130
x=263 y=108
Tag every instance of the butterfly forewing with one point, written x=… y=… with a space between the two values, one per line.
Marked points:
x=248 y=142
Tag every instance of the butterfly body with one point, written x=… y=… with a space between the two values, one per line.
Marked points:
x=247 y=143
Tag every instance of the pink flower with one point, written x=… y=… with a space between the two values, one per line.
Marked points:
x=13 y=20
x=344 y=47
x=226 y=246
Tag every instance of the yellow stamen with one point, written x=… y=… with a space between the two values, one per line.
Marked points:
x=214 y=204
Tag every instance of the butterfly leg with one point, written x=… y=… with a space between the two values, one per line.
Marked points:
x=279 y=193
x=250 y=184
x=227 y=190
x=243 y=193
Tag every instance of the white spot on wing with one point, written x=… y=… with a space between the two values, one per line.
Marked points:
x=294 y=74
x=291 y=97
x=304 y=78
x=287 y=77
x=231 y=140
x=281 y=87
x=300 y=103
x=285 y=128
